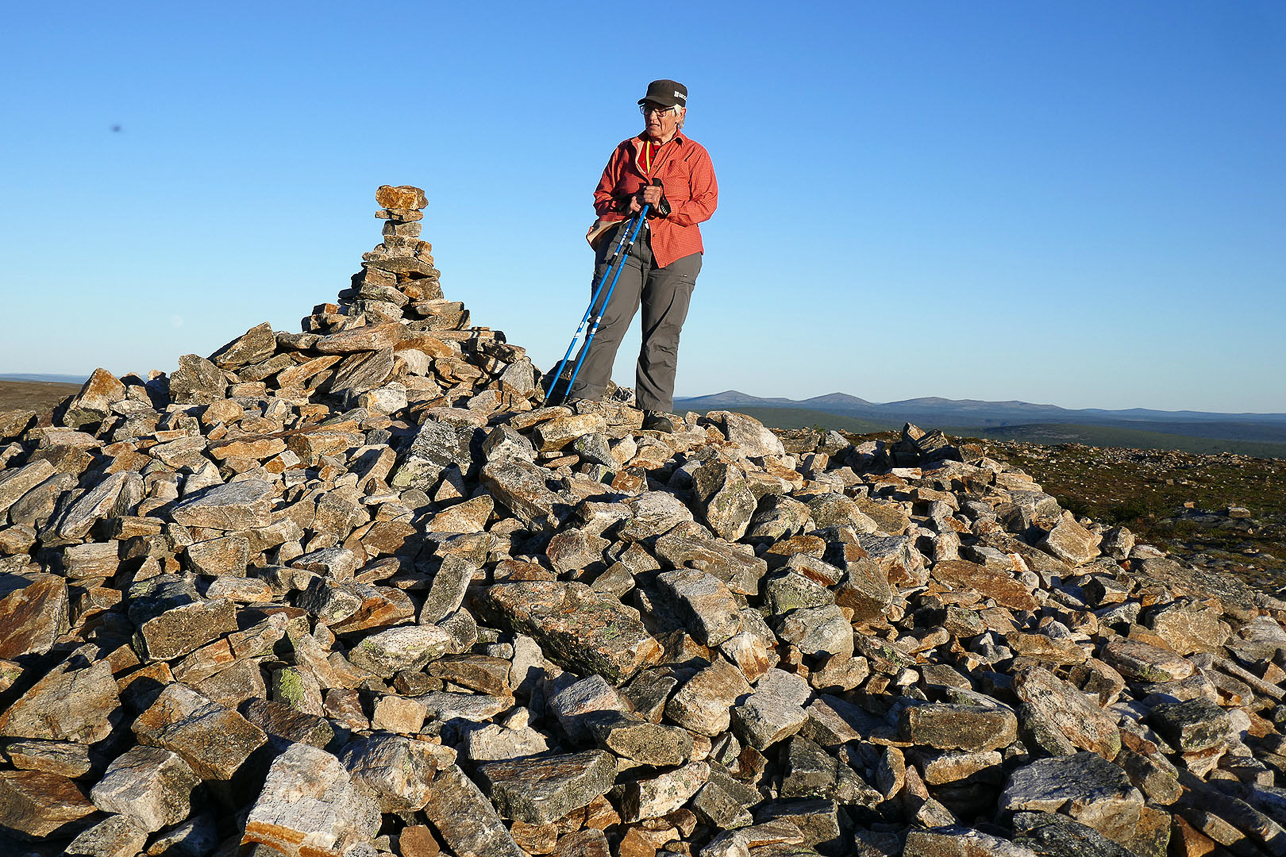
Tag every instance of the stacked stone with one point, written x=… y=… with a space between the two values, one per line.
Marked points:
x=262 y=605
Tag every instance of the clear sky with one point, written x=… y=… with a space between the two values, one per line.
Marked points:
x=1076 y=203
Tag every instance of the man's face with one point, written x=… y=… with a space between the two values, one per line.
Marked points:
x=662 y=122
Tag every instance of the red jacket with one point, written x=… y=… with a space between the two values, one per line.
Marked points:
x=685 y=171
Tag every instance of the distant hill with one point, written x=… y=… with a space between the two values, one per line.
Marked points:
x=980 y=416
x=46 y=379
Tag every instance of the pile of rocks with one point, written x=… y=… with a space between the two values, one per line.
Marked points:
x=356 y=591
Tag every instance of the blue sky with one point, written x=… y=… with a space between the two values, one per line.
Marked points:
x=1074 y=203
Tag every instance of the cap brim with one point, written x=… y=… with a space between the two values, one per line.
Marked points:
x=664 y=102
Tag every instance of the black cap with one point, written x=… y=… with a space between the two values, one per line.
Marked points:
x=667 y=93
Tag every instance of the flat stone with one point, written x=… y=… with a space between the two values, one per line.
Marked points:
x=233 y=506
x=254 y=346
x=310 y=807
x=664 y=793
x=639 y=740
x=988 y=582
x=447 y=589
x=688 y=544
x=1081 y=720
x=1188 y=626
x=1085 y=786
x=17 y=481
x=541 y=790
x=654 y=513
x=97 y=503
x=405 y=648
x=1137 y=660
x=114 y=836
x=466 y=820
x=578 y=627
x=958 y=727
x=865 y=590
x=371 y=337
x=64 y=758
x=573 y=704
x=522 y=488
x=1052 y=835
x=703 y=602
x=173 y=621
x=958 y=841
x=35 y=806
x=556 y=433
x=150 y=786
x=816 y=630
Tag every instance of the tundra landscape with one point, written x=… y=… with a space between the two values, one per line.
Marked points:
x=359 y=590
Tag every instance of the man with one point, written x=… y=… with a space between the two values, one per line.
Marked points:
x=672 y=174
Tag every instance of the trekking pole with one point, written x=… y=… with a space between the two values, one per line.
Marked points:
x=593 y=329
x=628 y=232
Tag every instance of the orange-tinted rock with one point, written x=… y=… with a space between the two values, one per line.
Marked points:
x=400 y=196
x=988 y=582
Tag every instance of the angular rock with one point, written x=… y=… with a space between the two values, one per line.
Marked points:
x=254 y=346
x=541 y=790
x=406 y=648
x=216 y=741
x=577 y=626
x=1075 y=715
x=959 y=727
x=703 y=602
x=397 y=770
x=197 y=381
x=71 y=703
x=1085 y=786
x=1071 y=542
x=35 y=806
x=774 y=711
x=724 y=501
x=33 y=614
x=114 y=836
x=663 y=794
x=233 y=506
x=639 y=740
x=1192 y=726
x=704 y=703
x=149 y=786
x=310 y=807
x=465 y=818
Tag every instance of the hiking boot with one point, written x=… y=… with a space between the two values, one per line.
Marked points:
x=657 y=421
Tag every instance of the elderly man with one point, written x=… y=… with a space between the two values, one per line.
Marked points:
x=672 y=174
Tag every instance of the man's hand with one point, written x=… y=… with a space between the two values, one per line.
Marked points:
x=652 y=194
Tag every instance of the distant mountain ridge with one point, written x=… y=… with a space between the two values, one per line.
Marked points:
x=936 y=412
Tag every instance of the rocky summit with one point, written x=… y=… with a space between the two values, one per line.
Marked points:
x=359 y=590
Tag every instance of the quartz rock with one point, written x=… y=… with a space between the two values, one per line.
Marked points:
x=404 y=648
x=704 y=703
x=723 y=499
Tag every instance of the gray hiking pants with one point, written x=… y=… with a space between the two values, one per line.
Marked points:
x=664 y=294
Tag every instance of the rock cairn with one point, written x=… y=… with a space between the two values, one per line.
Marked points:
x=356 y=591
